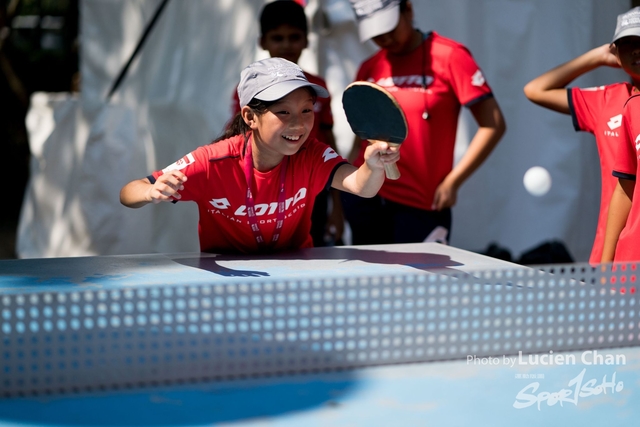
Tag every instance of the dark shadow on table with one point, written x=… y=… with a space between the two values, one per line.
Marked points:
x=421 y=261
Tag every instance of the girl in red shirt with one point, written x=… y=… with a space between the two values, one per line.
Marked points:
x=255 y=186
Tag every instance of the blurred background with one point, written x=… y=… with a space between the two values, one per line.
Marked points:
x=176 y=97
x=38 y=52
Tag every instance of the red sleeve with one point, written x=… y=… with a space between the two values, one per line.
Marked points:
x=586 y=105
x=626 y=161
x=324 y=162
x=467 y=79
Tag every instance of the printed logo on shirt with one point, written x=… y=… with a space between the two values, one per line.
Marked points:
x=595 y=88
x=413 y=81
x=478 y=79
x=292 y=205
x=638 y=143
x=615 y=122
x=220 y=203
x=329 y=154
x=180 y=164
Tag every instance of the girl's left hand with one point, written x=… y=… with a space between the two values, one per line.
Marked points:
x=379 y=153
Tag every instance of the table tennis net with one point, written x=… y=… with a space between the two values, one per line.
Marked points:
x=146 y=336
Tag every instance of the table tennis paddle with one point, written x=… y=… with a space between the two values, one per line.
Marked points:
x=375 y=115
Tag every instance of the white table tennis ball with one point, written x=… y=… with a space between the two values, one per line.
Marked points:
x=537 y=181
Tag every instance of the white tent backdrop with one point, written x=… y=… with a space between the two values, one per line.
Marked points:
x=176 y=97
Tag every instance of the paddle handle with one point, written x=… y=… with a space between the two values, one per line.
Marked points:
x=391 y=169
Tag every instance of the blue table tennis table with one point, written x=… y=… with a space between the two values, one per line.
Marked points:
x=417 y=334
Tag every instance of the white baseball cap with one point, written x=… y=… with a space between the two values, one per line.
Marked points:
x=271 y=79
x=628 y=24
x=375 y=17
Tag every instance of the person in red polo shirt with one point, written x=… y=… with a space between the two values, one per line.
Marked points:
x=431 y=77
x=622 y=239
x=597 y=110
x=255 y=186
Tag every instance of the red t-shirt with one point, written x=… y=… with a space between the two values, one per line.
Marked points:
x=452 y=79
x=321 y=109
x=598 y=110
x=626 y=166
x=217 y=183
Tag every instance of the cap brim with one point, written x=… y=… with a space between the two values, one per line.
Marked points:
x=379 y=23
x=635 y=31
x=282 y=89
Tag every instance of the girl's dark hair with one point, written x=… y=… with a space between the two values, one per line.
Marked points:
x=237 y=125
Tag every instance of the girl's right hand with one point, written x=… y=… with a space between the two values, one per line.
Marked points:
x=166 y=187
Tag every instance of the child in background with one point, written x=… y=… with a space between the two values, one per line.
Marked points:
x=283 y=33
x=597 y=110
x=622 y=240
x=255 y=186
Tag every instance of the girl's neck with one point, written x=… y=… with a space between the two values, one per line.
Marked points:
x=264 y=160
x=416 y=40
x=414 y=43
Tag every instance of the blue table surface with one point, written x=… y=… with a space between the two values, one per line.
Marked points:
x=451 y=393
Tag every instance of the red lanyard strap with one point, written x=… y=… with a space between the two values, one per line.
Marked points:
x=251 y=210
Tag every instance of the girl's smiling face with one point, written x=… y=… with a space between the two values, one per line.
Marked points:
x=282 y=129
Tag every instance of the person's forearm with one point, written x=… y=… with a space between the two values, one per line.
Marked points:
x=134 y=194
x=619 y=209
x=479 y=149
x=366 y=180
x=369 y=181
x=564 y=74
x=363 y=181
x=491 y=127
x=548 y=89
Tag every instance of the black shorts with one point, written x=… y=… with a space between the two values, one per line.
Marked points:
x=319 y=217
x=378 y=221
